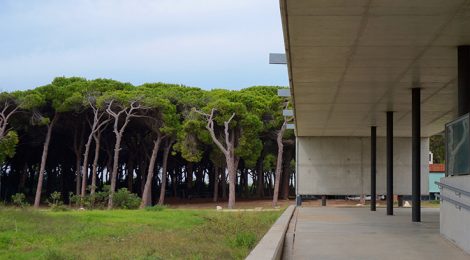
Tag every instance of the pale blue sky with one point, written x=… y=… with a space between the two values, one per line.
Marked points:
x=203 y=43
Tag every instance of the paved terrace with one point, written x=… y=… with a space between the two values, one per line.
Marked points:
x=357 y=233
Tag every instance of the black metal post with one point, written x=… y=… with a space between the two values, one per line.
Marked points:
x=389 y=163
x=400 y=201
x=416 y=155
x=323 y=200
x=463 y=80
x=373 y=167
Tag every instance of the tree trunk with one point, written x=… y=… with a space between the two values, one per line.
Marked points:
x=95 y=163
x=277 y=178
x=174 y=181
x=286 y=174
x=189 y=178
x=23 y=176
x=245 y=183
x=146 y=195
x=216 y=184
x=130 y=174
x=166 y=151
x=143 y=175
x=232 y=164
x=78 y=145
x=224 y=183
x=85 y=164
x=117 y=149
x=199 y=178
x=42 y=168
x=260 y=173
x=109 y=165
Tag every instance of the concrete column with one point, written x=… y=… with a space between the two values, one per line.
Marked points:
x=389 y=163
x=416 y=155
x=463 y=80
x=373 y=167
x=323 y=200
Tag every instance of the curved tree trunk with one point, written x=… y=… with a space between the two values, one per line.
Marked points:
x=42 y=168
x=278 y=175
x=146 y=195
x=85 y=164
x=117 y=149
x=229 y=152
x=166 y=151
x=95 y=163
x=119 y=132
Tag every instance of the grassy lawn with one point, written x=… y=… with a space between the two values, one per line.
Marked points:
x=131 y=234
x=430 y=204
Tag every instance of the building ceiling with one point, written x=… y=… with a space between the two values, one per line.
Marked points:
x=350 y=61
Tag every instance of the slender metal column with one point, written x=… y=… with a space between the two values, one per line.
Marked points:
x=323 y=200
x=373 y=167
x=463 y=80
x=416 y=155
x=389 y=163
x=400 y=201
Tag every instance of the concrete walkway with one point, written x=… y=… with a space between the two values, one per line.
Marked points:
x=356 y=233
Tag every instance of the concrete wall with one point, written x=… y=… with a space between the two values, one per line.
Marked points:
x=341 y=165
x=455 y=223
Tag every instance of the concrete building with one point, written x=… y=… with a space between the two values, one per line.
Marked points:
x=371 y=80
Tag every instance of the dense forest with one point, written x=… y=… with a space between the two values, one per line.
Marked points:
x=77 y=139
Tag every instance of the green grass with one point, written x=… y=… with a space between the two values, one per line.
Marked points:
x=430 y=203
x=131 y=234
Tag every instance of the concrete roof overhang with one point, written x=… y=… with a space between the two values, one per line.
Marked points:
x=350 y=61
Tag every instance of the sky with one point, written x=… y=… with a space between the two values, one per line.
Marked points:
x=202 y=43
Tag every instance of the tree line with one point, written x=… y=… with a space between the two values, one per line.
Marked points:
x=79 y=136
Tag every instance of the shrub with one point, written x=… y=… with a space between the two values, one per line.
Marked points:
x=74 y=199
x=156 y=208
x=56 y=203
x=19 y=200
x=55 y=199
x=123 y=199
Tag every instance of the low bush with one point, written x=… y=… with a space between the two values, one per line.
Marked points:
x=123 y=199
x=55 y=202
x=99 y=200
x=19 y=200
